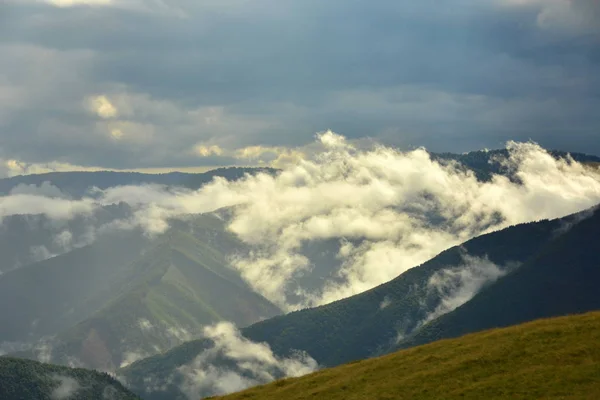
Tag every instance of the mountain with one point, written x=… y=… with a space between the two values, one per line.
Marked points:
x=26 y=239
x=78 y=183
x=561 y=278
x=546 y=359
x=373 y=322
x=47 y=297
x=110 y=303
x=32 y=380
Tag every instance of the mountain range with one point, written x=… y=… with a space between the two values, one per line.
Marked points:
x=151 y=307
x=529 y=271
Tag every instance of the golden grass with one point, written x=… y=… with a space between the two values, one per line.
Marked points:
x=555 y=358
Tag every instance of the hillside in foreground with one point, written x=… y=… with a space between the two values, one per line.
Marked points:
x=550 y=359
x=32 y=380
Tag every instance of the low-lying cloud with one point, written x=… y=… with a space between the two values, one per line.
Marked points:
x=457 y=285
x=67 y=388
x=382 y=210
x=234 y=363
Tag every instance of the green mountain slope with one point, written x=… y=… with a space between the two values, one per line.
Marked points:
x=31 y=380
x=551 y=359
x=561 y=278
x=162 y=299
x=372 y=322
x=26 y=239
x=366 y=324
x=49 y=296
x=127 y=296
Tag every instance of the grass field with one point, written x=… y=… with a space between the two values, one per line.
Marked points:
x=555 y=358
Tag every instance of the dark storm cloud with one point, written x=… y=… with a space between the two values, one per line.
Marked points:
x=455 y=75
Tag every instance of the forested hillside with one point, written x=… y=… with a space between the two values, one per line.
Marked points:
x=32 y=380
x=560 y=279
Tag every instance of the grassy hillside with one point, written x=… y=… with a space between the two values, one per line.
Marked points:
x=31 y=380
x=551 y=359
x=562 y=278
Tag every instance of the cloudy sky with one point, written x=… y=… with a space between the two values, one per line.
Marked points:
x=179 y=83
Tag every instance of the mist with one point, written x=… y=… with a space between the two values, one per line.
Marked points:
x=383 y=210
x=241 y=364
x=457 y=285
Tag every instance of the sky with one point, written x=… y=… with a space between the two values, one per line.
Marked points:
x=161 y=84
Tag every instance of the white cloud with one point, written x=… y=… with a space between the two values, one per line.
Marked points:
x=208 y=150
x=12 y=167
x=455 y=286
x=388 y=211
x=102 y=106
x=71 y=3
x=67 y=388
x=249 y=364
x=388 y=201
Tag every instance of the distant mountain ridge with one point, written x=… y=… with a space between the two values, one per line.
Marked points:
x=78 y=183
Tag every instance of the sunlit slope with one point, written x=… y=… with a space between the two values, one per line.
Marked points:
x=555 y=358
x=31 y=380
x=173 y=290
x=562 y=278
x=49 y=296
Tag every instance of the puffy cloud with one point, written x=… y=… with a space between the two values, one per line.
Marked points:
x=243 y=364
x=381 y=211
x=208 y=150
x=102 y=106
x=390 y=211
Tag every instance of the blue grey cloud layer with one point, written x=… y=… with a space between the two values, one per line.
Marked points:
x=450 y=75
